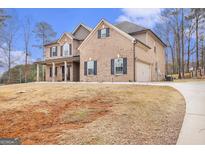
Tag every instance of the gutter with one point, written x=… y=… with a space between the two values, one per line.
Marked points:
x=134 y=42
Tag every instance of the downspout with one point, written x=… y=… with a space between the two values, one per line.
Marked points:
x=134 y=42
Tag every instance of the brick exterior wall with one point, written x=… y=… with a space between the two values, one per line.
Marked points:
x=103 y=50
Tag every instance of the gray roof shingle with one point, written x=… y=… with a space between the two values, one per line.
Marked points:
x=129 y=27
x=51 y=42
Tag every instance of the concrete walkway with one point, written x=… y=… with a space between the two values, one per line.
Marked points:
x=193 y=128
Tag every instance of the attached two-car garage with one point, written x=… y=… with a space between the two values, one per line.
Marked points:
x=142 y=72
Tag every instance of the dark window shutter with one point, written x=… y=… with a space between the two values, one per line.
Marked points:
x=50 y=71
x=56 y=53
x=50 y=51
x=124 y=65
x=99 y=33
x=107 y=32
x=70 y=46
x=85 y=68
x=61 y=50
x=112 y=66
x=95 y=67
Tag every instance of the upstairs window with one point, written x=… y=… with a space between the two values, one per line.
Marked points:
x=53 y=51
x=103 y=33
x=66 y=50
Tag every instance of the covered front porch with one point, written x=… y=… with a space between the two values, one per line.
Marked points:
x=59 y=69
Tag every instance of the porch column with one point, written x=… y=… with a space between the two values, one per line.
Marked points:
x=37 y=77
x=71 y=72
x=43 y=71
x=53 y=72
x=65 y=71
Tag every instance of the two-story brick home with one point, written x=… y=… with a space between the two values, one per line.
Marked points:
x=121 y=52
x=62 y=57
x=109 y=53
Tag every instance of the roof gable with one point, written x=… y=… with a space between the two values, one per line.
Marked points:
x=109 y=25
x=81 y=25
x=81 y=32
x=68 y=35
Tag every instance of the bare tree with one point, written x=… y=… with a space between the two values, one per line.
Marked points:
x=188 y=37
x=165 y=29
x=3 y=17
x=182 y=40
x=202 y=50
x=202 y=45
x=27 y=36
x=176 y=30
x=197 y=16
x=44 y=33
x=8 y=33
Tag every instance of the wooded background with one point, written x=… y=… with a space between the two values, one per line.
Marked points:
x=183 y=31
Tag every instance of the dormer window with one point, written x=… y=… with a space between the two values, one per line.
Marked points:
x=103 y=33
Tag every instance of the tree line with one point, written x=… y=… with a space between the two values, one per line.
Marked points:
x=183 y=31
x=10 y=29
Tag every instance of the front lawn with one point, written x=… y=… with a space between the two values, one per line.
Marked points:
x=66 y=113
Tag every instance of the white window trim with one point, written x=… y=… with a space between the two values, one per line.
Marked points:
x=115 y=66
x=68 y=55
x=105 y=35
x=53 y=51
x=92 y=68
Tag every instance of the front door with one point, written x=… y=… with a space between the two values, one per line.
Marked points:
x=63 y=73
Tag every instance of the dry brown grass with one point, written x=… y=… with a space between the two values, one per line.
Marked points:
x=190 y=80
x=59 y=113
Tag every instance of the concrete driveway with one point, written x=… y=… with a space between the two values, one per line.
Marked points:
x=193 y=128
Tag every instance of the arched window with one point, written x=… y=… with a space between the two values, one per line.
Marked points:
x=66 y=49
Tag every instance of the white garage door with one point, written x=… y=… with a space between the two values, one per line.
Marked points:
x=143 y=72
